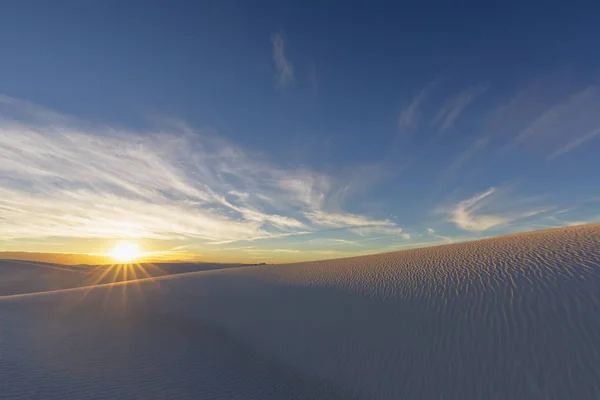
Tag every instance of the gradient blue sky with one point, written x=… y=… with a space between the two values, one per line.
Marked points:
x=280 y=131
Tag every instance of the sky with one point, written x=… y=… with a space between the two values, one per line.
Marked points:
x=280 y=131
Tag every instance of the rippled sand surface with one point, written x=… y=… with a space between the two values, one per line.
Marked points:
x=516 y=317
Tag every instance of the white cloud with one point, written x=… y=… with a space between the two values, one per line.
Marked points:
x=334 y=241
x=285 y=70
x=239 y=195
x=337 y=220
x=305 y=187
x=272 y=251
x=575 y=143
x=549 y=117
x=88 y=213
x=409 y=116
x=468 y=214
x=216 y=248
x=558 y=114
x=431 y=231
x=452 y=109
x=465 y=217
x=66 y=178
x=378 y=230
x=405 y=236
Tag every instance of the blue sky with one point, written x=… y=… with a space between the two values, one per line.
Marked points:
x=278 y=131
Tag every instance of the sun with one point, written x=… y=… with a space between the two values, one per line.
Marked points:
x=125 y=251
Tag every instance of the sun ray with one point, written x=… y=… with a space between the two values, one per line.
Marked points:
x=126 y=268
x=96 y=282
x=136 y=282
x=143 y=270
x=157 y=268
x=109 y=290
x=124 y=288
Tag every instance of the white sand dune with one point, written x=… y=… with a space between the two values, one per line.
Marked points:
x=516 y=317
x=20 y=276
x=27 y=276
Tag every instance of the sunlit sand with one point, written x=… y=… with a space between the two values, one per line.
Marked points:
x=514 y=317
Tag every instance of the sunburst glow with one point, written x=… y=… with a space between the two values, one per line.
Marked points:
x=125 y=251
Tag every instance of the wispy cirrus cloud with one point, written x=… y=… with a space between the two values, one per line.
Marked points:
x=409 y=115
x=474 y=214
x=284 y=76
x=453 y=108
x=62 y=177
x=563 y=115
x=575 y=143
x=337 y=220
x=549 y=116
x=334 y=241
x=272 y=251
x=465 y=214
x=387 y=230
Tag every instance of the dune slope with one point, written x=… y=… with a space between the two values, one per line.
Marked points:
x=510 y=317
x=21 y=276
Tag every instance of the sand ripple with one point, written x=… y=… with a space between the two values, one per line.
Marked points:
x=516 y=317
